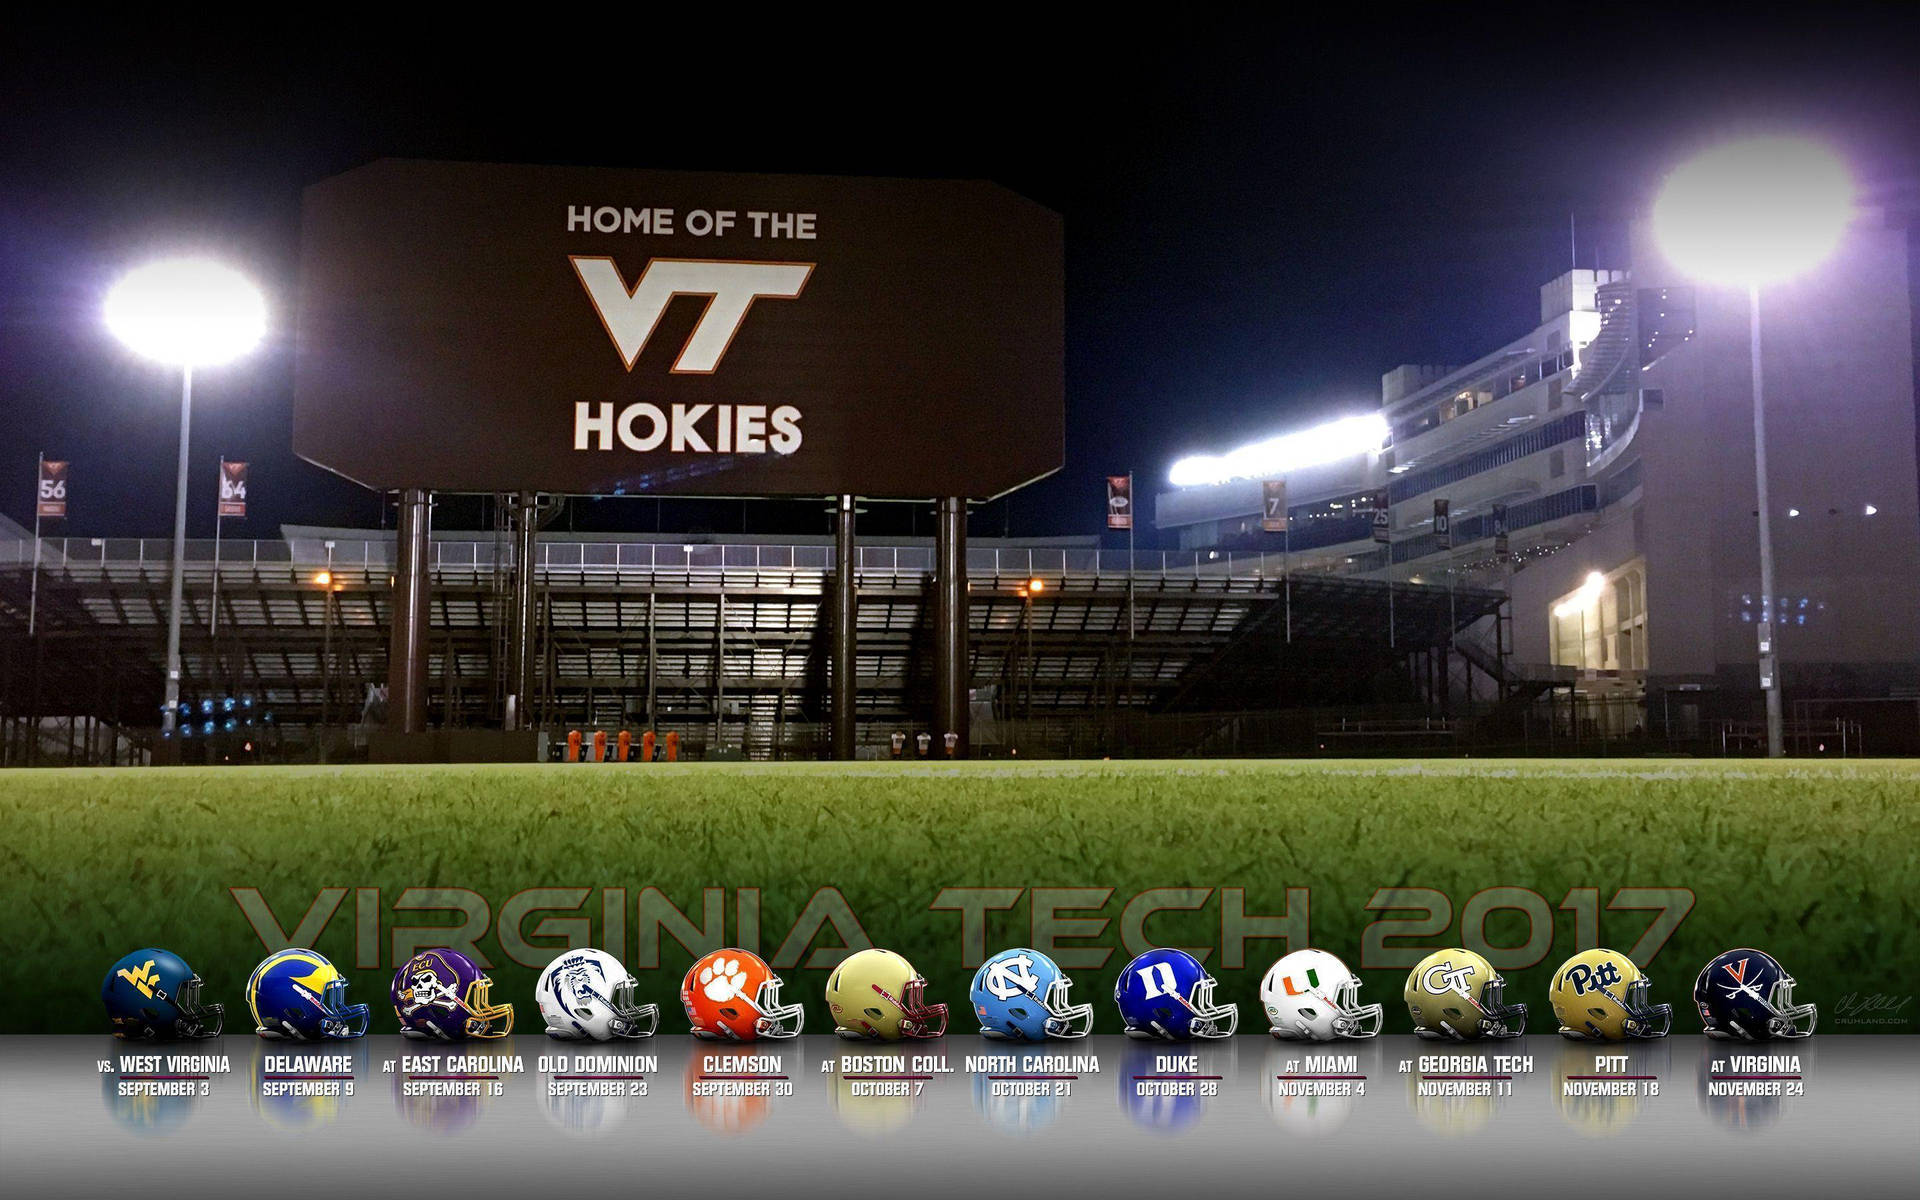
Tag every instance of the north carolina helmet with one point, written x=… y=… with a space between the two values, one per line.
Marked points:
x=733 y=995
x=442 y=995
x=587 y=995
x=877 y=994
x=1601 y=996
x=1022 y=994
x=1167 y=994
x=298 y=995
x=1457 y=995
x=1311 y=996
x=1747 y=995
x=153 y=995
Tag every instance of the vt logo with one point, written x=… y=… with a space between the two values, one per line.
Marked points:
x=630 y=314
x=1012 y=977
x=1313 y=982
x=146 y=978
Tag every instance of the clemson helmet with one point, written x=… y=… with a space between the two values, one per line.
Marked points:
x=1601 y=996
x=1457 y=995
x=733 y=995
x=878 y=994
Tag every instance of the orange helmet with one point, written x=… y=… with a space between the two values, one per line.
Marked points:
x=733 y=995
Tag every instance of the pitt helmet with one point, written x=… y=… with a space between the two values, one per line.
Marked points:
x=733 y=995
x=878 y=994
x=1457 y=995
x=1311 y=996
x=154 y=995
x=298 y=995
x=1601 y=996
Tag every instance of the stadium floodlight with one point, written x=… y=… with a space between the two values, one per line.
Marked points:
x=1036 y=585
x=1588 y=591
x=1277 y=456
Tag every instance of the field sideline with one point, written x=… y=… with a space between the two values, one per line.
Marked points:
x=1813 y=861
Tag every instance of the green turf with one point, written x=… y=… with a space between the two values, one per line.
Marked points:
x=1813 y=862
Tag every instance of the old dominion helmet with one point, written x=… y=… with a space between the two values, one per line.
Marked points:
x=1168 y=994
x=298 y=995
x=152 y=994
x=1022 y=994
x=1748 y=995
x=441 y=994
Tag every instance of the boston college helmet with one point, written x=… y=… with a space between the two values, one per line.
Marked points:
x=733 y=995
x=878 y=994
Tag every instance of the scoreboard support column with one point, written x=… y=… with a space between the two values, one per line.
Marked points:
x=950 y=664
x=520 y=657
x=407 y=648
x=844 y=692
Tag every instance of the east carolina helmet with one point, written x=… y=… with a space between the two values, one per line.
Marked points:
x=1311 y=996
x=1457 y=995
x=587 y=995
x=1167 y=994
x=733 y=995
x=1022 y=994
x=1747 y=995
x=298 y=995
x=1601 y=996
x=154 y=995
x=442 y=994
x=877 y=994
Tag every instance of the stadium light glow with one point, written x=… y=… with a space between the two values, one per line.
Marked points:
x=1277 y=456
x=1588 y=591
x=187 y=312
x=1754 y=211
x=1036 y=585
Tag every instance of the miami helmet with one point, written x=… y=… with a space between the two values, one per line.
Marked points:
x=1022 y=994
x=1601 y=996
x=1748 y=995
x=878 y=994
x=298 y=995
x=153 y=995
x=1455 y=994
x=587 y=995
x=733 y=995
x=441 y=994
x=1168 y=994
x=1311 y=996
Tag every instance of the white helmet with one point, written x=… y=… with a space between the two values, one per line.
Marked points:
x=1311 y=996
x=586 y=995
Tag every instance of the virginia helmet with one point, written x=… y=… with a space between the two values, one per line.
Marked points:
x=1022 y=994
x=153 y=995
x=1167 y=994
x=1601 y=996
x=1311 y=996
x=1747 y=995
x=877 y=994
x=1456 y=994
x=298 y=995
x=733 y=995
x=588 y=995
x=442 y=994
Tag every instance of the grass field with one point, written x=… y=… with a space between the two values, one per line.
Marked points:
x=1816 y=863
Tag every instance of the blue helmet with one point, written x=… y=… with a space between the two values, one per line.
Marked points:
x=298 y=995
x=153 y=994
x=1022 y=994
x=1168 y=994
x=1747 y=994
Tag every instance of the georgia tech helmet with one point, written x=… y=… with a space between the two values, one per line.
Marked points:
x=1311 y=996
x=877 y=994
x=587 y=995
x=733 y=995
x=1457 y=995
x=442 y=994
x=298 y=995
x=1747 y=995
x=1167 y=994
x=1601 y=996
x=1022 y=994
x=153 y=995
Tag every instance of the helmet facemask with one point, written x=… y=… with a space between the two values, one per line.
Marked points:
x=1210 y=1020
x=773 y=1017
x=485 y=1019
x=1066 y=1020
x=920 y=1019
x=1499 y=1019
x=629 y=1019
x=1785 y=1021
x=193 y=1022
x=1353 y=1019
x=343 y=1020
x=1645 y=1020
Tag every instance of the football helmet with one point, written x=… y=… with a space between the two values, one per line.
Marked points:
x=298 y=995
x=1022 y=994
x=878 y=994
x=1747 y=995
x=1455 y=994
x=153 y=995
x=441 y=994
x=733 y=995
x=1601 y=996
x=1311 y=996
x=1167 y=994
x=587 y=995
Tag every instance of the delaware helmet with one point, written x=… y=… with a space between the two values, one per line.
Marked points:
x=1455 y=994
x=1022 y=994
x=1748 y=995
x=878 y=994
x=1601 y=996
x=1167 y=994
x=441 y=994
x=152 y=995
x=586 y=995
x=1311 y=996
x=733 y=995
x=298 y=995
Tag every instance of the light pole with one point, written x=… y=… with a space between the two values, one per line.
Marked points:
x=185 y=313
x=1745 y=214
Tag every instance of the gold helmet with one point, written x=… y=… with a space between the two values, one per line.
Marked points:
x=1456 y=994
x=878 y=994
x=1601 y=996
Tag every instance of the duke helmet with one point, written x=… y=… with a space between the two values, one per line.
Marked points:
x=587 y=995
x=1311 y=996
x=1601 y=996
x=878 y=994
x=441 y=994
x=298 y=995
x=733 y=995
x=1022 y=994
x=1167 y=994
x=153 y=995
x=1747 y=995
x=1457 y=995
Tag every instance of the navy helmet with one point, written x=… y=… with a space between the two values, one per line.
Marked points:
x=1746 y=994
x=153 y=995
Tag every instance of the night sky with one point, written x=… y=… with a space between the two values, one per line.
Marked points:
x=1261 y=216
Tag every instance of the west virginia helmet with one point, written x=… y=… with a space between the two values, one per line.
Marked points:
x=442 y=995
x=733 y=995
x=1167 y=994
x=1022 y=994
x=878 y=994
x=587 y=995
x=298 y=995
x=1457 y=995
x=1601 y=996
x=1747 y=995
x=153 y=995
x=1311 y=996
